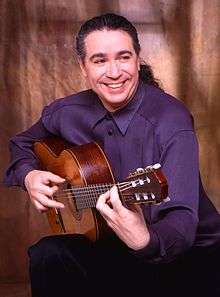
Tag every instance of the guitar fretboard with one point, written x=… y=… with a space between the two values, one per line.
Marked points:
x=86 y=197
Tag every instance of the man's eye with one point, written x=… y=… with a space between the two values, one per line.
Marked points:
x=124 y=58
x=100 y=61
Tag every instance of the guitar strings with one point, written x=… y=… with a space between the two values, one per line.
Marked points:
x=82 y=192
x=87 y=196
x=82 y=197
x=88 y=200
x=96 y=186
x=81 y=202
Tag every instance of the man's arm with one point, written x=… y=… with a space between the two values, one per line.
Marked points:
x=173 y=224
x=24 y=169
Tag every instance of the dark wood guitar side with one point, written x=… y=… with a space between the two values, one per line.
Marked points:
x=88 y=174
x=80 y=166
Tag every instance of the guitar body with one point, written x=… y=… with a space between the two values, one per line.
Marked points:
x=80 y=166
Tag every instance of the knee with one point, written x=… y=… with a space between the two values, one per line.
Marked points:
x=56 y=247
x=44 y=248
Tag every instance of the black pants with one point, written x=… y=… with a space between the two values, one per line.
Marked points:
x=70 y=265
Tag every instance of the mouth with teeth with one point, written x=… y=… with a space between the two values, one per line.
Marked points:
x=116 y=94
x=115 y=86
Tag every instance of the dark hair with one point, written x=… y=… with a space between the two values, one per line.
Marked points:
x=112 y=21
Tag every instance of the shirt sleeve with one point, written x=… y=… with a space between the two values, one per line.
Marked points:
x=173 y=224
x=23 y=159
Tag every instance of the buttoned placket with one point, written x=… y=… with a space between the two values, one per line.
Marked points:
x=111 y=145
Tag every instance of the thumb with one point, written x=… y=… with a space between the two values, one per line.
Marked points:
x=114 y=199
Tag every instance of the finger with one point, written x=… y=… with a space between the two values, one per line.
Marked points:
x=39 y=206
x=115 y=200
x=47 y=190
x=51 y=177
x=54 y=189
x=102 y=199
x=47 y=202
x=102 y=205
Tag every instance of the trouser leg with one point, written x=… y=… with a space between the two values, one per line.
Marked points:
x=203 y=268
x=61 y=266
x=196 y=274
x=71 y=265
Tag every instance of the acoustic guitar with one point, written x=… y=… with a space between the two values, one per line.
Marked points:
x=88 y=175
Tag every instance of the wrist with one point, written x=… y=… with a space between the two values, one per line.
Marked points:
x=28 y=176
x=141 y=243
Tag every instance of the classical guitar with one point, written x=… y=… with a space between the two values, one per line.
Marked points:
x=88 y=175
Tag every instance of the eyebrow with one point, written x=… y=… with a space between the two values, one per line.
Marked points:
x=102 y=55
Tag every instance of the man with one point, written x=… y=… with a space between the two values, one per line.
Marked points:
x=159 y=249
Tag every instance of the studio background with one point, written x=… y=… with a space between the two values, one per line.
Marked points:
x=180 y=40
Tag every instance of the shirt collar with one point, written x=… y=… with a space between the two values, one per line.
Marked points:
x=123 y=116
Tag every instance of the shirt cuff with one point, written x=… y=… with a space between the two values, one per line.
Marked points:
x=151 y=252
x=22 y=172
x=19 y=174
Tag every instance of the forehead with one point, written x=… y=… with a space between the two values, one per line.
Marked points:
x=107 y=42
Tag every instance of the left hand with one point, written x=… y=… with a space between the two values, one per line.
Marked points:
x=128 y=224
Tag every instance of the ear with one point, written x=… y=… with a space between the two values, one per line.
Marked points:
x=82 y=67
x=139 y=63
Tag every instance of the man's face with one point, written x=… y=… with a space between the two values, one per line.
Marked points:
x=111 y=67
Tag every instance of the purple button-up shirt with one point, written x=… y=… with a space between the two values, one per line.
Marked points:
x=153 y=128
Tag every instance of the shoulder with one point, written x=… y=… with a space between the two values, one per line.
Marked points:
x=167 y=114
x=84 y=98
x=70 y=111
x=159 y=108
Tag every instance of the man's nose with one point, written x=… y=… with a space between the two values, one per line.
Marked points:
x=113 y=70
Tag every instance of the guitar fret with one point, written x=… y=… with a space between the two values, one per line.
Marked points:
x=86 y=197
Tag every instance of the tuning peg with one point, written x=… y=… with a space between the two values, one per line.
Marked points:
x=166 y=199
x=152 y=195
x=131 y=174
x=136 y=172
x=148 y=168
x=156 y=166
x=145 y=196
x=137 y=196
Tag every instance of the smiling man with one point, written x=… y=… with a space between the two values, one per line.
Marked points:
x=111 y=67
x=171 y=249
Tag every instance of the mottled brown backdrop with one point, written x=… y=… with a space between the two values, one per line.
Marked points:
x=180 y=39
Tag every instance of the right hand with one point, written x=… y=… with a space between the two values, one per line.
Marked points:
x=41 y=185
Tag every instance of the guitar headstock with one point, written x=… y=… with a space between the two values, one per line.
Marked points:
x=145 y=185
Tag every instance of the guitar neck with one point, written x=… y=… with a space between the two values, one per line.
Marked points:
x=133 y=191
x=86 y=197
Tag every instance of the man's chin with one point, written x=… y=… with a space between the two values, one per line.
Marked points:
x=116 y=104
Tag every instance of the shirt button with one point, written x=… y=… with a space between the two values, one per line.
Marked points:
x=110 y=132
